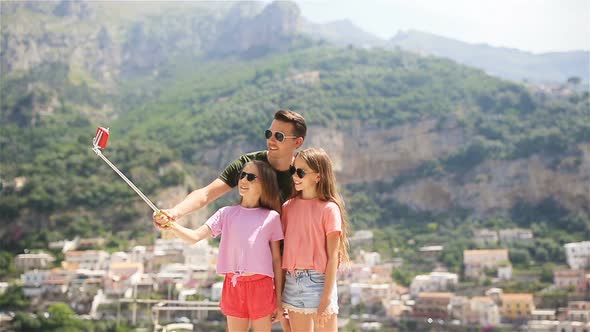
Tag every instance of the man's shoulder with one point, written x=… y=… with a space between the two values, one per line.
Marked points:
x=257 y=155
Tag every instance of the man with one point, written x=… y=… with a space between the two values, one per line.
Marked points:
x=285 y=135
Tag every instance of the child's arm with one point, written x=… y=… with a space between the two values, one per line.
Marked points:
x=190 y=235
x=333 y=244
x=277 y=266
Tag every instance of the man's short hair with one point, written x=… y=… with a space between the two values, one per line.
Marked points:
x=294 y=118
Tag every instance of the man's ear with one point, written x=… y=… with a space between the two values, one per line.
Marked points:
x=298 y=142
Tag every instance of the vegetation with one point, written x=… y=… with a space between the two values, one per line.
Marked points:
x=60 y=318
x=166 y=125
x=178 y=125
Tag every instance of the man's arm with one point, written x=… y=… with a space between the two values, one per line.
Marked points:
x=201 y=197
x=195 y=200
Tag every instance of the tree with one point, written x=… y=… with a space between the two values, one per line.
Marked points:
x=6 y=264
x=13 y=298
x=520 y=256
x=24 y=321
x=62 y=318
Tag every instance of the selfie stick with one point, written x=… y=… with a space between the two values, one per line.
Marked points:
x=100 y=142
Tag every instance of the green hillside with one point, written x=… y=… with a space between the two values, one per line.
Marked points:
x=202 y=104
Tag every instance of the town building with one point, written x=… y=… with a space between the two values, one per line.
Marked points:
x=433 y=282
x=578 y=255
x=434 y=305
x=26 y=262
x=517 y=306
x=476 y=261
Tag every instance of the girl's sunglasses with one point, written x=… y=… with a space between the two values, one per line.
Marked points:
x=299 y=171
x=249 y=176
x=280 y=136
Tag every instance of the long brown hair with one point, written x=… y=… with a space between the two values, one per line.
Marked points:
x=318 y=160
x=270 y=194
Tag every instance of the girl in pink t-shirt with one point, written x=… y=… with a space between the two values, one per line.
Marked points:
x=314 y=223
x=249 y=253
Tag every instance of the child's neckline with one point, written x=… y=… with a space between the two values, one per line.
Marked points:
x=248 y=208
x=308 y=199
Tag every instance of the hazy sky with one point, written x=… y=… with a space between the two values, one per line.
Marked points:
x=529 y=25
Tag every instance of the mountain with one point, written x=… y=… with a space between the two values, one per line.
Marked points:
x=414 y=139
x=342 y=32
x=100 y=41
x=512 y=64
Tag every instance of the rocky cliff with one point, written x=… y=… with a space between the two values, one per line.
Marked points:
x=100 y=41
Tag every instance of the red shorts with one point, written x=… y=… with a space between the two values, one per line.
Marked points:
x=253 y=297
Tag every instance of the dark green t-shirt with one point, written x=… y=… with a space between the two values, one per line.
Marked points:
x=231 y=174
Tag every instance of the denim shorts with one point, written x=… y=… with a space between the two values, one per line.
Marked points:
x=303 y=290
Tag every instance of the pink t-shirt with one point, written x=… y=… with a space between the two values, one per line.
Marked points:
x=246 y=234
x=306 y=222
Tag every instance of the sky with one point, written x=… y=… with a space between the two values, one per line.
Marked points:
x=536 y=26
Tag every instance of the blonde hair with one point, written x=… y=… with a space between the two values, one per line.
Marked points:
x=270 y=194
x=318 y=160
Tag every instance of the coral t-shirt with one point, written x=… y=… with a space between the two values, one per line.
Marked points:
x=246 y=234
x=306 y=222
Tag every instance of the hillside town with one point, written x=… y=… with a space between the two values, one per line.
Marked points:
x=171 y=282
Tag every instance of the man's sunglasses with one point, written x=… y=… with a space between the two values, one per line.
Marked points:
x=249 y=176
x=280 y=136
x=299 y=171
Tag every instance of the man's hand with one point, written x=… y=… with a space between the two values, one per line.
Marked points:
x=165 y=216
x=163 y=219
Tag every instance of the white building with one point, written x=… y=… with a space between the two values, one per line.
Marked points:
x=361 y=237
x=505 y=272
x=542 y=326
x=578 y=311
x=433 y=282
x=138 y=254
x=33 y=281
x=476 y=261
x=484 y=311
x=512 y=235
x=170 y=245
x=370 y=293
x=199 y=255
x=119 y=257
x=121 y=278
x=485 y=236
x=569 y=326
x=27 y=262
x=578 y=254
x=216 y=291
x=575 y=279
x=371 y=258
x=65 y=245
x=543 y=314
x=167 y=251
x=396 y=309
x=57 y=282
x=431 y=252
x=88 y=259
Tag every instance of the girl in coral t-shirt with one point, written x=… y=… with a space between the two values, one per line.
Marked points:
x=249 y=252
x=315 y=243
